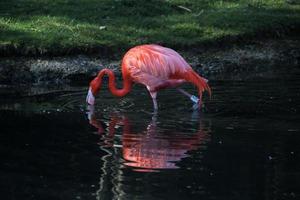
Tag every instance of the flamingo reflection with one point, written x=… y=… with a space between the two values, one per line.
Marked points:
x=152 y=149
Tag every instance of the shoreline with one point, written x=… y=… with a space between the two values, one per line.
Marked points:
x=260 y=57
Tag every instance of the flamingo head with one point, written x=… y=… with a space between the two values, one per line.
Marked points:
x=93 y=91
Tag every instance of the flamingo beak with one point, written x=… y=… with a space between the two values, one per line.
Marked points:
x=90 y=99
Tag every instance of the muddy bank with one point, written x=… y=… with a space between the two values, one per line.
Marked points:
x=264 y=58
x=261 y=59
x=56 y=70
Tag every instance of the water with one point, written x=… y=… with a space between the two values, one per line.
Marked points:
x=244 y=145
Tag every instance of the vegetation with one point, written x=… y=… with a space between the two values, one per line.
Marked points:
x=65 y=26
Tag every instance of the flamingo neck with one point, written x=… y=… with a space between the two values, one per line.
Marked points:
x=112 y=83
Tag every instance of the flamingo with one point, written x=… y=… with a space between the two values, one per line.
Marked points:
x=154 y=66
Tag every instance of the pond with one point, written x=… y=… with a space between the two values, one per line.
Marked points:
x=243 y=145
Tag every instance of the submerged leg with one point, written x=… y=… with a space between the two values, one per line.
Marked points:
x=153 y=95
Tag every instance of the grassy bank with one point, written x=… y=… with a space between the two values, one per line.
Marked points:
x=58 y=27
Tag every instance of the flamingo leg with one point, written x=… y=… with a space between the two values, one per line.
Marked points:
x=184 y=92
x=197 y=102
x=191 y=97
x=153 y=95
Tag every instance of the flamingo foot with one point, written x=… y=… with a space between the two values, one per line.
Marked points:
x=194 y=99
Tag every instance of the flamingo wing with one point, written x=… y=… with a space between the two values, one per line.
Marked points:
x=155 y=66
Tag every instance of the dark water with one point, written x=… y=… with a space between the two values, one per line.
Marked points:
x=244 y=145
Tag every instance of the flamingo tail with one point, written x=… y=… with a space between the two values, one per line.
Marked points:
x=199 y=81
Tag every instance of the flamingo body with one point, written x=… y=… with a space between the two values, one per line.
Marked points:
x=154 y=66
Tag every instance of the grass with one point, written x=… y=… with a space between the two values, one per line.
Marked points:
x=62 y=26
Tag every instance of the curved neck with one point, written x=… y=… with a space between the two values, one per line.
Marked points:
x=112 y=85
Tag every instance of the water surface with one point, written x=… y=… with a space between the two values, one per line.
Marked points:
x=243 y=145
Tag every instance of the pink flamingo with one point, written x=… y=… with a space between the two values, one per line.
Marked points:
x=154 y=66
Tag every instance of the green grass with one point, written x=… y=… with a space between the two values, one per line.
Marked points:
x=60 y=25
